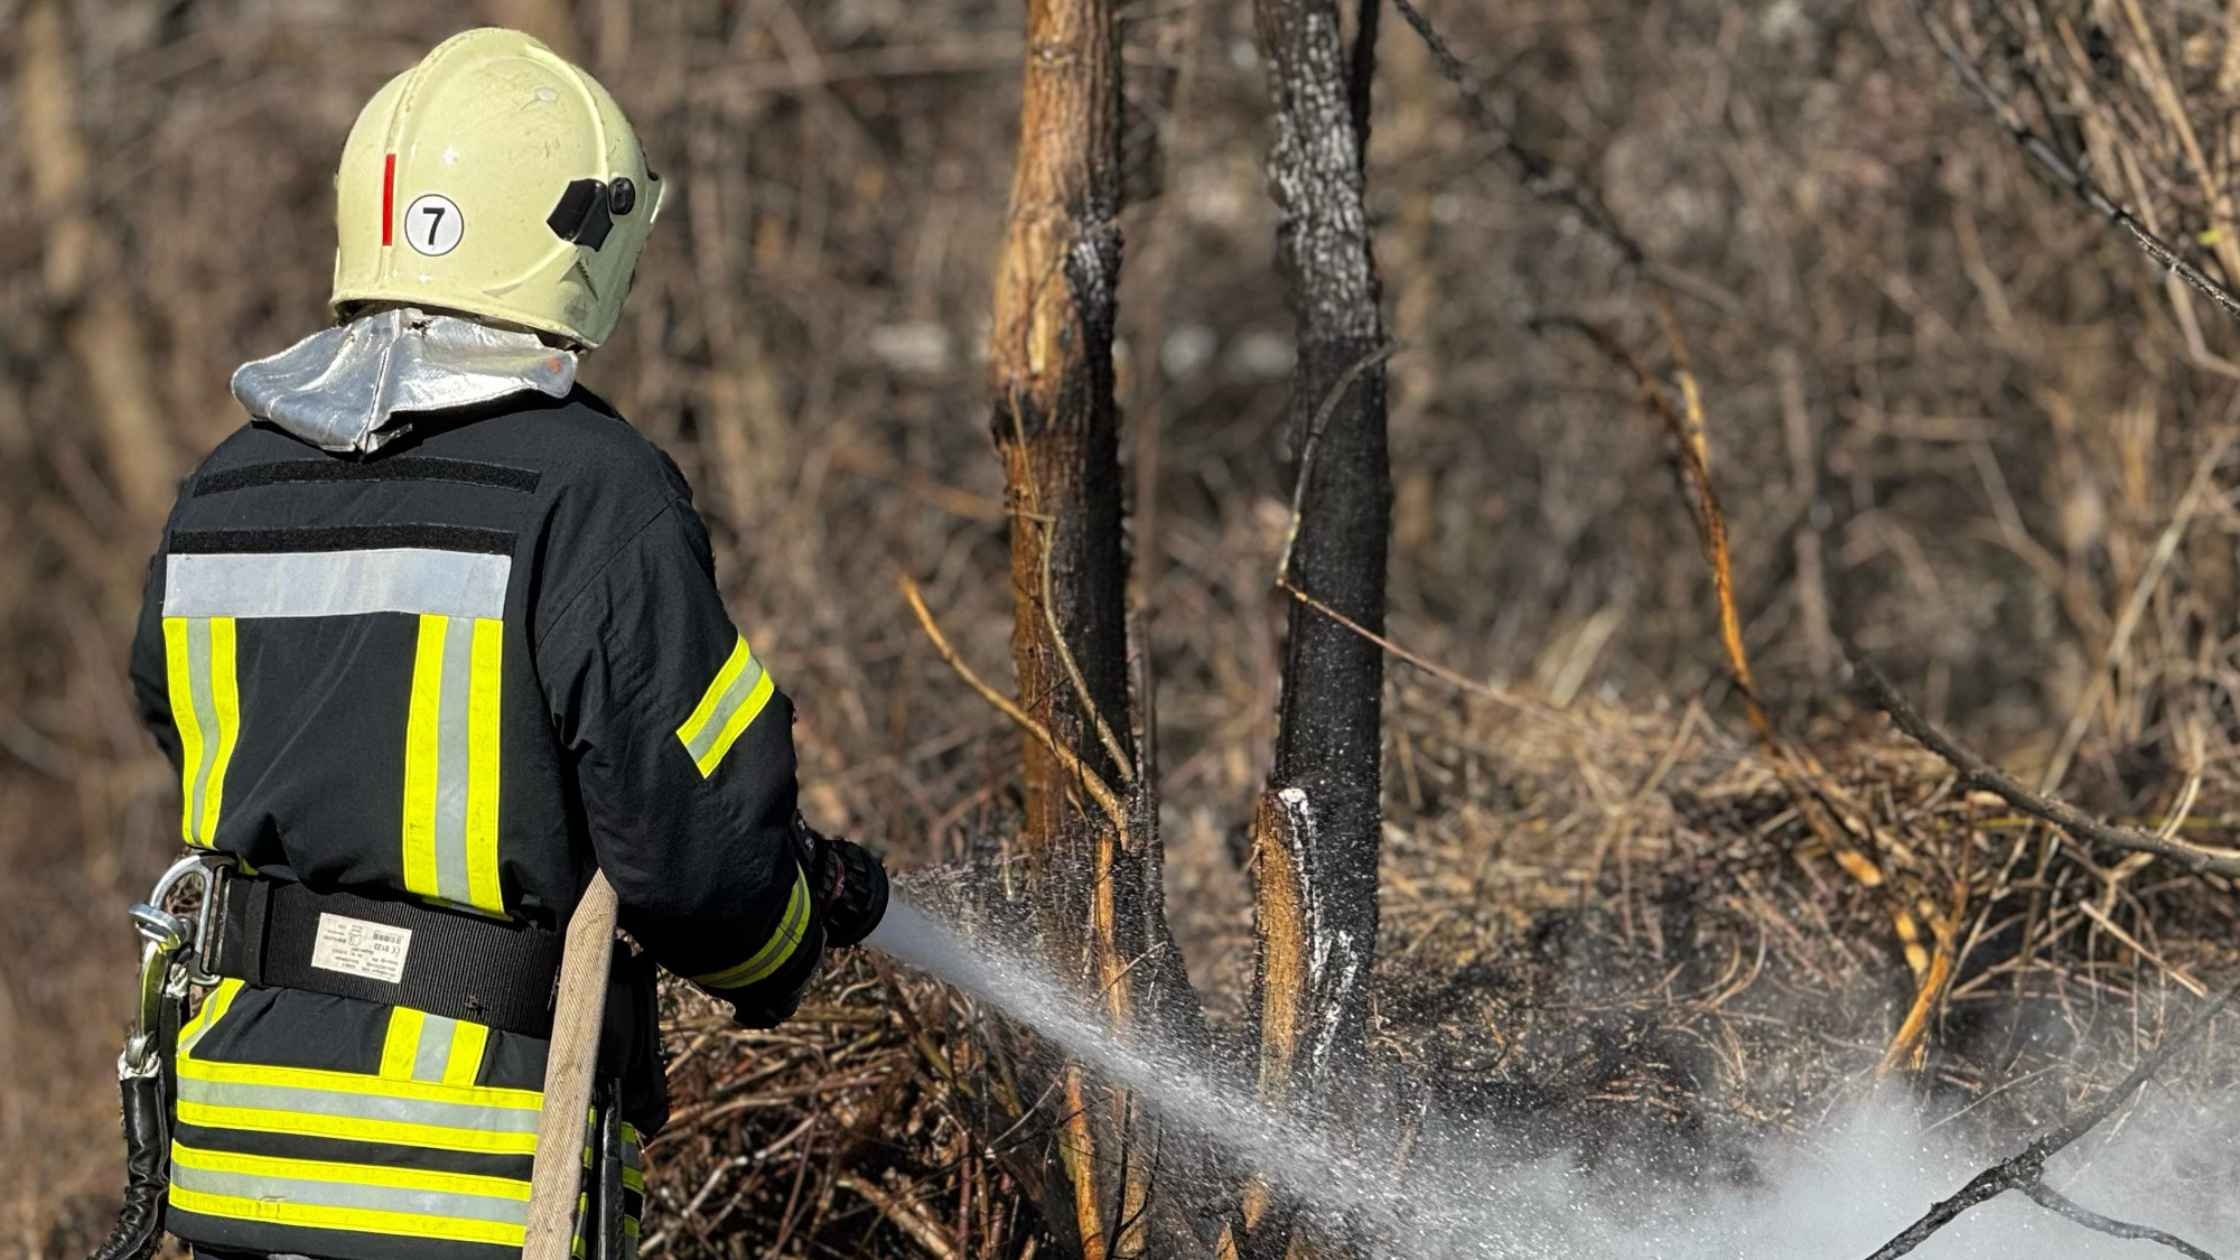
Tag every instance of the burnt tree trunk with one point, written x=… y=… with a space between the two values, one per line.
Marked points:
x=1094 y=890
x=1316 y=831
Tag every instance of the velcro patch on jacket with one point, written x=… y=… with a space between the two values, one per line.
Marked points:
x=469 y=472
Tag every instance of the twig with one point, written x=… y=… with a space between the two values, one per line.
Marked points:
x=2027 y=1168
x=1542 y=177
x=1090 y=780
x=1976 y=772
x=905 y=1217
x=1080 y=681
x=2130 y=942
x=1058 y=644
x=2047 y=1197
x=1432 y=667
x=1314 y=440
x=2062 y=170
x=1907 y=1048
x=1692 y=452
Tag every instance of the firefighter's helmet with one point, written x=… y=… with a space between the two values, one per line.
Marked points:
x=496 y=180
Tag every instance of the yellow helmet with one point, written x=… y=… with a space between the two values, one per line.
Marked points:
x=497 y=180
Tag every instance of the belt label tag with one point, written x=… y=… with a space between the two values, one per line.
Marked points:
x=360 y=947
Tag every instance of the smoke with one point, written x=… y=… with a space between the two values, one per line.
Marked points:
x=1839 y=1189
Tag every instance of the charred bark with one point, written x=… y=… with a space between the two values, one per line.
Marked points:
x=1095 y=896
x=1316 y=832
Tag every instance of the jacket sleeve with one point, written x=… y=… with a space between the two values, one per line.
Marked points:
x=151 y=677
x=683 y=753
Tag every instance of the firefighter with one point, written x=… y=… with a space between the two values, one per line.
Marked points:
x=431 y=639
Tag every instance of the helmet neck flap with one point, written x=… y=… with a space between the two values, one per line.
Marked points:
x=343 y=389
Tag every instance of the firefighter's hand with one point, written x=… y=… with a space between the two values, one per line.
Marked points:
x=769 y=1009
x=851 y=888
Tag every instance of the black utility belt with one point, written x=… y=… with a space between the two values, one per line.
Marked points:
x=282 y=935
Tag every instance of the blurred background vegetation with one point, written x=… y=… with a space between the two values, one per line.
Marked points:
x=1951 y=413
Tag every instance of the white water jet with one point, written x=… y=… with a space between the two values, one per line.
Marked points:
x=1288 y=1153
x=1838 y=1194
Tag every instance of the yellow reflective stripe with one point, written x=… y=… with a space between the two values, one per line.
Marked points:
x=400 y=1046
x=730 y=704
x=634 y=1180
x=361 y=1083
x=213 y=1009
x=360 y=1220
x=352 y=1174
x=225 y=697
x=482 y=766
x=741 y=718
x=201 y=676
x=465 y=1060
x=775 y=951
x=178 y=673
x=221 y=1000
x=705 y=711
x=421 y=751
x=356 y=1129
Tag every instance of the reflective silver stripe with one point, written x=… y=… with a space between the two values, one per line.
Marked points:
x=727 y=705
x=307 y=1191
x=433 y=1054
x=205 y=719
x=336 y=583
x=451 y=764
x=320 y=1102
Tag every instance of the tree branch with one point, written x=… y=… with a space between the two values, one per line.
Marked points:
x=1542 y=178
x=2027 y=1168
x=2053 y=1200
x=2061 y=169
x=1977 y=772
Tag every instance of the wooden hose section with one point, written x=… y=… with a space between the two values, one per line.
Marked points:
x=556 y=1176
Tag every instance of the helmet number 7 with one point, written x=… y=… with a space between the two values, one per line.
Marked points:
x=433 y=224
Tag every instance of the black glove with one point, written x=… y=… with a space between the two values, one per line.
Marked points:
x=850 y=885
x=770 y=1002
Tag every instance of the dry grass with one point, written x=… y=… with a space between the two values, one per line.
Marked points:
x=1951 y=415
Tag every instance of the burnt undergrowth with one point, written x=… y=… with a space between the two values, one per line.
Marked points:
x=1652 y=992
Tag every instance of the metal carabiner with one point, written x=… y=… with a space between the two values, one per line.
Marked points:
x=171 y=960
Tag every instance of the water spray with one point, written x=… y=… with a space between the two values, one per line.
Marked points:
x=1837 y=1194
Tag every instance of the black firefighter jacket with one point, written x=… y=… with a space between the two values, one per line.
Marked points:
x=465 y=671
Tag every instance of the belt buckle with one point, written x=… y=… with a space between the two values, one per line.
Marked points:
x=210 y=920
x=214 y=873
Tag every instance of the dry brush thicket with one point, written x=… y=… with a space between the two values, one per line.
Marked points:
x=1952 y=414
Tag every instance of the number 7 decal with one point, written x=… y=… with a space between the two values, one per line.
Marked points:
x=433 y=224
